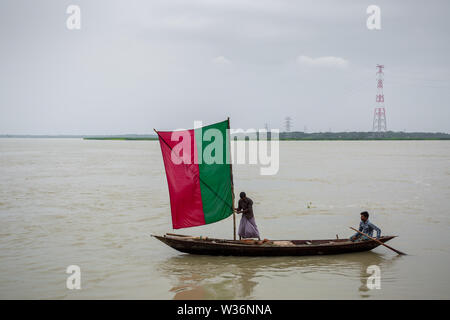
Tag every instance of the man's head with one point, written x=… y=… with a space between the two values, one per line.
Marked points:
x=242 y=195
x=364 y=216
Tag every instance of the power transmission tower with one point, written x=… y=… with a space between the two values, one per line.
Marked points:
x=379 y=116
x=287 y=124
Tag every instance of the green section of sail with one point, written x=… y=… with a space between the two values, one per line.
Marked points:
x=214 y=166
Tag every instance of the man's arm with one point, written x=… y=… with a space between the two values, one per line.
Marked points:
x=378 y=230
x=239 y=208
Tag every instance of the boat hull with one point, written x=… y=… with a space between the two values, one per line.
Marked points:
x=222 y=247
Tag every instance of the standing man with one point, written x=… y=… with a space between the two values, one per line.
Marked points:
x=247 y=226
x=365 y=226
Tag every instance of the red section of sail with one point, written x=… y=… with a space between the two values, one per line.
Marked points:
x=183 y=179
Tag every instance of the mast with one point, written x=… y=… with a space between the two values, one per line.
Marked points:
x=232 y=183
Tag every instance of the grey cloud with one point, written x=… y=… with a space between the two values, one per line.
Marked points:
x=135 y=65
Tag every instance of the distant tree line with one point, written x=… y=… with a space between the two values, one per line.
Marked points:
x=296 y=135
x=357 y=135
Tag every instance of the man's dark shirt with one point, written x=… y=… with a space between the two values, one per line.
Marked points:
x=246 y=205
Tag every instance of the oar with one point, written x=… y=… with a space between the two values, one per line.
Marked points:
x=380 y=242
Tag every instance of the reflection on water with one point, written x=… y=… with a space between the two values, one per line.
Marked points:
x=371 y=259
x=206 y=277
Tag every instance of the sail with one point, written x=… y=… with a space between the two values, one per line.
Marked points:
x=199 y=176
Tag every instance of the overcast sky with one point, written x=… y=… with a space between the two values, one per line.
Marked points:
x=138 y=65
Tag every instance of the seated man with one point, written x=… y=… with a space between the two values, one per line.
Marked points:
x=366 y=227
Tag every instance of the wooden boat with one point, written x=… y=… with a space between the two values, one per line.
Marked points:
x=223 y=247
x=205 y=194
